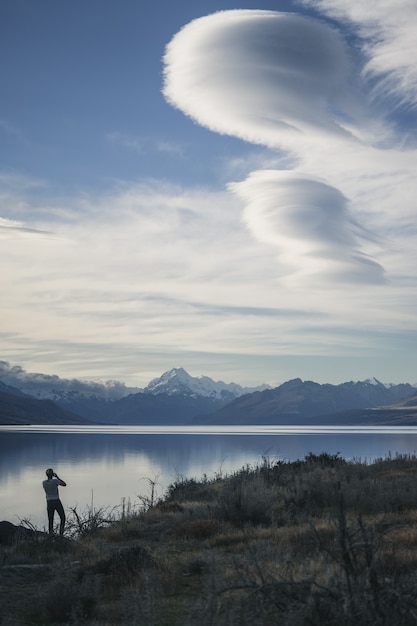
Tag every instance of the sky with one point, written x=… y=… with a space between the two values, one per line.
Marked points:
x=227 y=187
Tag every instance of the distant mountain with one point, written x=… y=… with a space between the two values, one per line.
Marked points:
x=144 y=408
x=178 y=398
x=178 y=382
x=402 y=413
x=12 y=390
x=297 y=402
x=409 y=402
x=90 y=399
x=21 y=409
x=174 y=398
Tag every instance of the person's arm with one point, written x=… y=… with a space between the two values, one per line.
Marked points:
x=61 y=482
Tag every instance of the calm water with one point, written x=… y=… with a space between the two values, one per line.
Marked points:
x=102 y=465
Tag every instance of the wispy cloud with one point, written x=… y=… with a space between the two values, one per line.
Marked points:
x=127 y=141
x=170 y=148
x=144 y=145
x=388 y=32
x=154 y=272
x=292 y=83
x=32 y=382
x=13 y=229
x=318 y=218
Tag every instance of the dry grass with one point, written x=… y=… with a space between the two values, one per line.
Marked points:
x=319 y=541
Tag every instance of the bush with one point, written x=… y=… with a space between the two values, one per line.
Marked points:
x=190 y=489
x=244 y=499
x=317 y=541
x=90 y=520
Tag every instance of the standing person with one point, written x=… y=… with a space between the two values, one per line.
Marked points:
x=53 y=503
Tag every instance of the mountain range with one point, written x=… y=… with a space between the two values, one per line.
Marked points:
x=178 y=398
x=307 y=402
x=174 y=398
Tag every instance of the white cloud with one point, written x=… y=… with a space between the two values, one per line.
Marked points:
x=6 y=223
x=292 y=83
x=311 y=253
x=389 y=32
x=242 y=72
x=155 y=275
x=144 y=145
x=127 y=141
x=32 y=383
x=306 y=218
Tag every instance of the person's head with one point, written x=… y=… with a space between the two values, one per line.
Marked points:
x=49 y=472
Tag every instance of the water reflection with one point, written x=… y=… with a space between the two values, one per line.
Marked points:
x=103 y=467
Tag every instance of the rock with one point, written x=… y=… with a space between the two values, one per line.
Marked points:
x=10 y=533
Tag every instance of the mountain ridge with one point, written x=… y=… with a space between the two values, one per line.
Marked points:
x=176 y=397
x=297 y=400
x=22 y=410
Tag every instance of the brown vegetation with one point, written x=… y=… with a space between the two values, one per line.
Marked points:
x=318 y=541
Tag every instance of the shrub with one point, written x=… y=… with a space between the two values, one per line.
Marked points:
x=124 y=563
x=90 y=520
x=243 y=500
x=189 y=489
x=319 y=541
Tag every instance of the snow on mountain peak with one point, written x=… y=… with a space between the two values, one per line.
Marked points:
x=372 y=381
x=178 y=382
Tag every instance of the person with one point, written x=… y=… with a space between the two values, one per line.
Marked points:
x=53 y=502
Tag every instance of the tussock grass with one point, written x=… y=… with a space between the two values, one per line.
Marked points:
x=316 y=541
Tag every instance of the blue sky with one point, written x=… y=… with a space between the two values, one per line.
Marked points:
x=225 y=187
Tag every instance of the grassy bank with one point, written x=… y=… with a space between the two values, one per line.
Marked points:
x=317 y=541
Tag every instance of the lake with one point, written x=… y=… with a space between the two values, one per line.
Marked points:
x=104 y=464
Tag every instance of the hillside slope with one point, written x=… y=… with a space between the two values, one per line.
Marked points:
x=299 y=402
x=23 y=410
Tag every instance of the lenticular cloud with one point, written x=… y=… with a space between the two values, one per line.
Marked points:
x=241 y=73
x=306 y=218
x=290 y=82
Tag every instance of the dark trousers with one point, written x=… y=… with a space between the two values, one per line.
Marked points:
x=52 y=506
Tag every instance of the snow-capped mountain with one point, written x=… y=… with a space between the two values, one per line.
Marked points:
x=178 y=398
x=173 y=396
x=178 y=382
